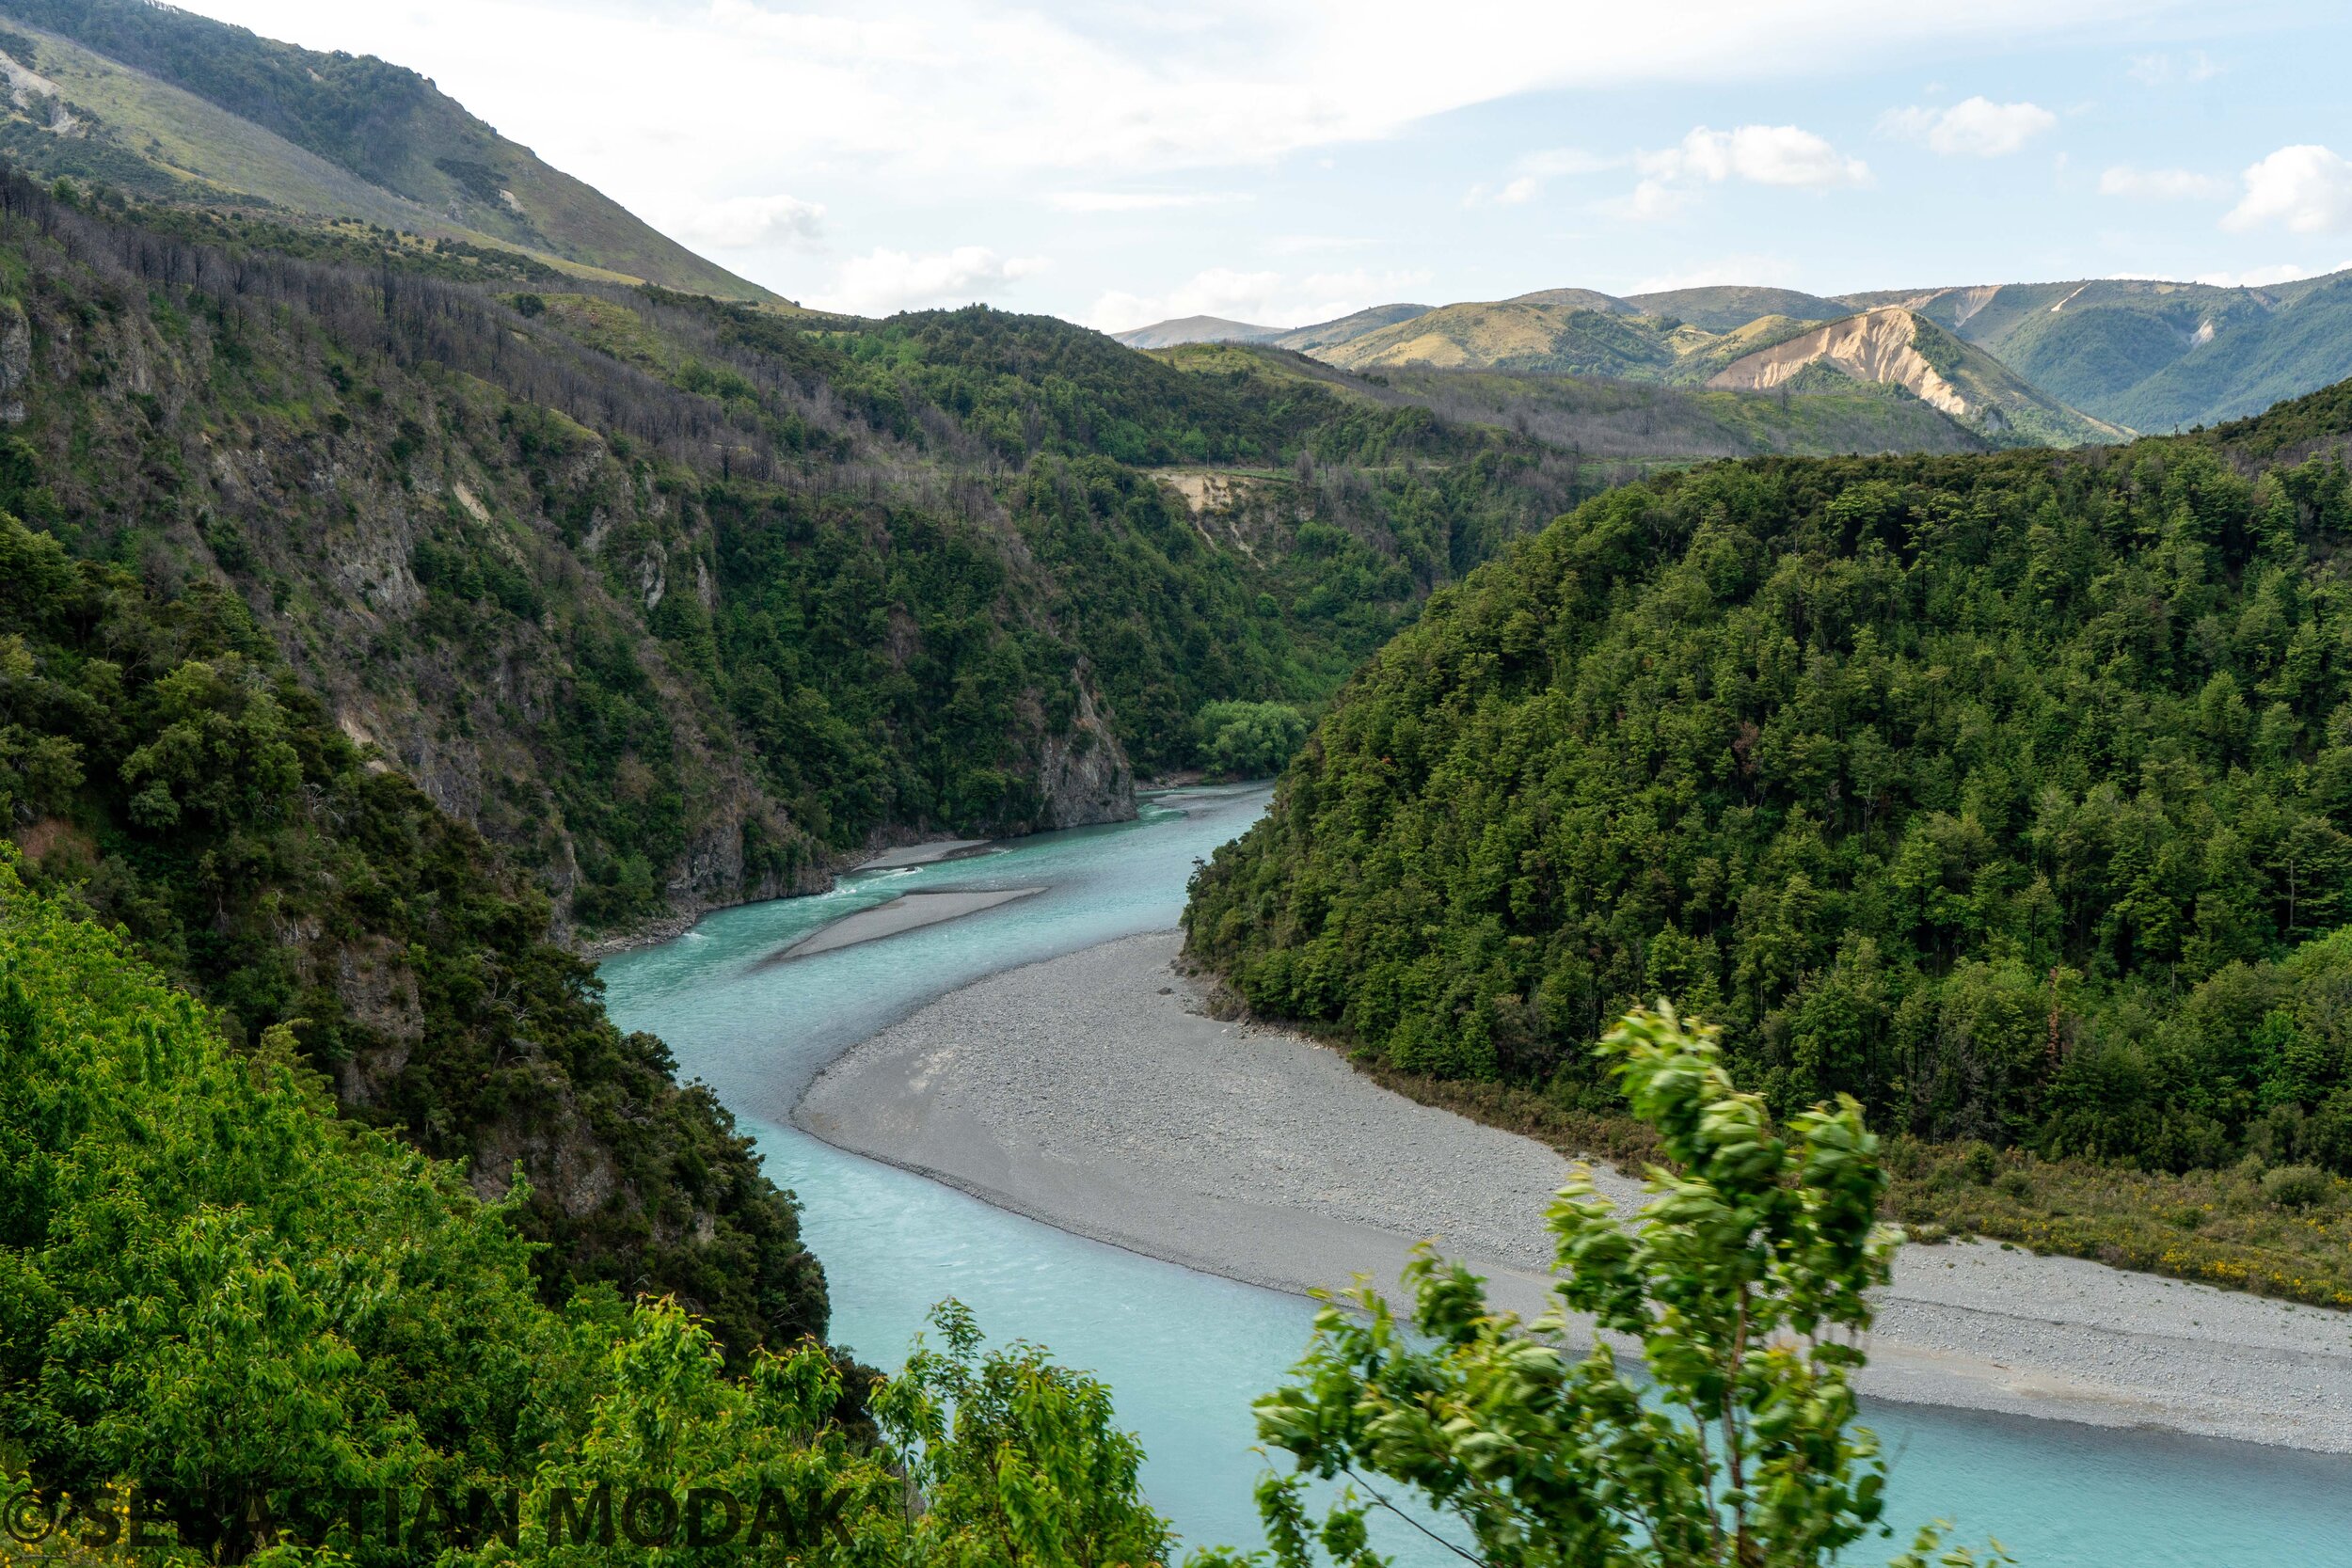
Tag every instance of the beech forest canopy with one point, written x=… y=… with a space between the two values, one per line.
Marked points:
x=2010 y=793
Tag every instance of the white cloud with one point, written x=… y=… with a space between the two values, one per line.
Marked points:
x=2162 y=184
x=2156 y=71
x=1745 y=267
x=1649 y=202
x=1553 y=163
x=751 y=221
x=1513 y=193
x=885 y=280
x=1974 y=127
x=964 y=85
x=912 y=113
x=2261 y=277
x=1530 y=172
x=1259 y=298
x=2308 y=189
x=1136 y=201
x=1760 y=154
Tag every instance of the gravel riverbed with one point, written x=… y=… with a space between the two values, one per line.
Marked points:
x=1093 y=1092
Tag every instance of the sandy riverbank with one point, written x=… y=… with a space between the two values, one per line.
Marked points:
x=1093 y=1092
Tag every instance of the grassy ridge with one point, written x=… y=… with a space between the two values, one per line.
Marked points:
x=212 y=109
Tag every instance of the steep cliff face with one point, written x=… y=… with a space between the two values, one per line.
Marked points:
x=322 y=504
x=1086 y=778
x=1876 y=345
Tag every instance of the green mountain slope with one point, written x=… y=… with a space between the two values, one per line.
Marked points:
x=1560 y=334
x=2011 y=793
x=240 y=1328
x=169 y=103
x=164 y=770
x=1565 y=337
x=2152 y=355
x=1722 y=308
x=2236 y=371
x=1577 y=299
x=2124 y=352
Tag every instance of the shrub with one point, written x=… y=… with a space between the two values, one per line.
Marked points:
x=2294 y=1186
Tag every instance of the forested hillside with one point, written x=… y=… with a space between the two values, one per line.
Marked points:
x=251 y=1318
x=677 y=601
x=370 y=636
x=166 y=772
x=2011 y=794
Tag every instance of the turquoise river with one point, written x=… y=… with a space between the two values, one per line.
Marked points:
x=1187 y=1351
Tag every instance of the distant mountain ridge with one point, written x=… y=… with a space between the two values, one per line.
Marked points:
x=2152 y=353
x=1197 y=329
x=2086 y=360
x=165 y=103
x=1723 y=307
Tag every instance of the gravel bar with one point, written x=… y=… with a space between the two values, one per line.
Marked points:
x=909 y=911
x=1093 y=1092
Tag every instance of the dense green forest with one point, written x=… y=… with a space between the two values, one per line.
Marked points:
x=222 y=1296
x=169 y=773
x=2011 y=794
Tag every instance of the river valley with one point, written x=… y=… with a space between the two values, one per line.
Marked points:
x=1186 y=1351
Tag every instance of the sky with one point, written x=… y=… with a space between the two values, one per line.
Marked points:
x=1284 y=162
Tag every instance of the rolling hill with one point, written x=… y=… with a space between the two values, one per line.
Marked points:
x=1346 y=329
x=1630 y=427
x=168 y=106
x=1562 y=337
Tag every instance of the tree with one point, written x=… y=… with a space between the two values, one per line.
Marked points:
x=1743 y=1282
x=1015 y=1459
x=1249 y=740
